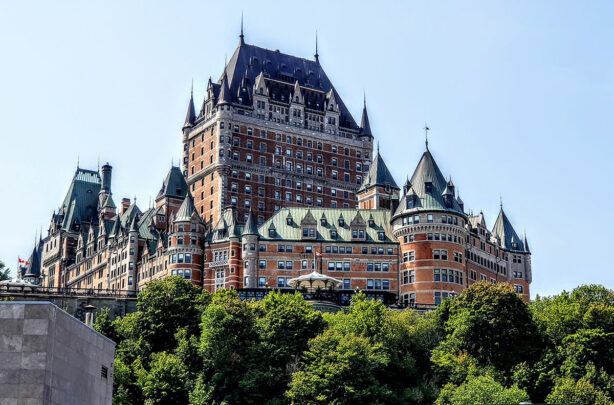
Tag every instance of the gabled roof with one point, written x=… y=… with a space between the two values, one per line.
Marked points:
x=378 y=175
x=477 y=220
x=226 y=227
x=127 y=217
x=187 y=209
x=81 y=201
x=283 y=231
x=504 y=230
x=281 y=72
x=174 y=185
x=146 y=224
x=427 y=172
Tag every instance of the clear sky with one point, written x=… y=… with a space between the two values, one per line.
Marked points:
x=519 y=96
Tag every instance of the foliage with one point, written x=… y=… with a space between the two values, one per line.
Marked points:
x=480 y=390
x=485 y=346
x=568 y=390
x=340 y=368
x=491 y=324
x=5 y=272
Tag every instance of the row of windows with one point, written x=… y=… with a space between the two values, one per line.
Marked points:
x=442 y=295
x=181 y=258
x=445 y=219
x=185 y=273
x=298 y=141
x=448 y=276
x=444 y=237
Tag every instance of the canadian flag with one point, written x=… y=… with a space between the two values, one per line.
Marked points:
x=317 y=254
x=22 y=262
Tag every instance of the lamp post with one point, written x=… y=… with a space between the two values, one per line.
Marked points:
x=89 y=315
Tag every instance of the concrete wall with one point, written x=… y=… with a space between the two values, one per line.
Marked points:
x=49 y=357
x=75 y=304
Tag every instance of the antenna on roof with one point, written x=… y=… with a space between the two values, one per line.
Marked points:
x=317 y=56
x=242 y=37
x=426 y=135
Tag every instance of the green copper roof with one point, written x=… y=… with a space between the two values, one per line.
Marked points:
x=378 y=175
x=251 y=228
x=428 y=176
x=132 y=211
x=187 y=209
x=344 y=233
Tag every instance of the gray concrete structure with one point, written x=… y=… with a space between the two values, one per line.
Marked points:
x=49 y=357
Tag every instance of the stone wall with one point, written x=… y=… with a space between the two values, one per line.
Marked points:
x=49 y=357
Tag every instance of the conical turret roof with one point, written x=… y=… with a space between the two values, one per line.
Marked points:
x=187 y=209
x=365 y=126
x=378 y=175
x=251 y=227
x=190 y=116
x=224 y=96
x=428 y=186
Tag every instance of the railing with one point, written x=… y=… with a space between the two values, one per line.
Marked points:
x=33 y=289
x=418 y=307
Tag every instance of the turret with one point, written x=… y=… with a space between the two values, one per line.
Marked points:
x=249 y=238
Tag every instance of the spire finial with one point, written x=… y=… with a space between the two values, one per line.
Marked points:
x=378 y=147
x=426 y=135
x=77 y=160
x=242 y=37
x=99 y=162
x=192 y=89
x=317 y=56
x=500 y=202
x=364 y=98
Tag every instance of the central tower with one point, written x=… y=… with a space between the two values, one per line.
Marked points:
x=273 y=132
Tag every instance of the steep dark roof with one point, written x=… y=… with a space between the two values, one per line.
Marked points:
x=378 y=175
x=81 y=201
x=427 y=171
x=365 y=127
x=109 y=203
x=504 y=230
x=174 y=185
x=190 y=116
x=34 y=262
x=282 y=72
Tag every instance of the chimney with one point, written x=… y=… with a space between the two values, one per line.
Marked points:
x=106 y=177
x=125 y=204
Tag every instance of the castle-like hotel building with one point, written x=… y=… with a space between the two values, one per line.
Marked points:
x=278 y=180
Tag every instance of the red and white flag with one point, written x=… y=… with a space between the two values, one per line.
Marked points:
x=22 y=262
x=317 y=254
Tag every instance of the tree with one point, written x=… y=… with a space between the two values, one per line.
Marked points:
x=480 y=390
x=5 y=273
x=570 y=391
x=491 y=324
x=167 y=305
x=340 y=368
x=228 y=343
x=284 y=324
x=166 y=382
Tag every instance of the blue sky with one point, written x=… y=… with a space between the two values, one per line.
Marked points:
x=519 y=97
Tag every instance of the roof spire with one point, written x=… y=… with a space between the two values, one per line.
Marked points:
x=501 y=202
x=190 y=116
x=317 y=56
x=426 y=135
x=77 y=160
x=242 y=37
x=378 y=147
x=365 y=127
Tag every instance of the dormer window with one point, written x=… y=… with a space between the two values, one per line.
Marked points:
x=272 y=233
x=333 y=234
x=381 y=236
x=428 y=187
x=341 y=222
x=289 y=221
x=371 y=223
x=323 y=222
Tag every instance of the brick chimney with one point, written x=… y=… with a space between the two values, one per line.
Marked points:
x=125 y=204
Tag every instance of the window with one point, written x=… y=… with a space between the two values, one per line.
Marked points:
x=518 y=288
x=429 y=218
x=262 y=282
